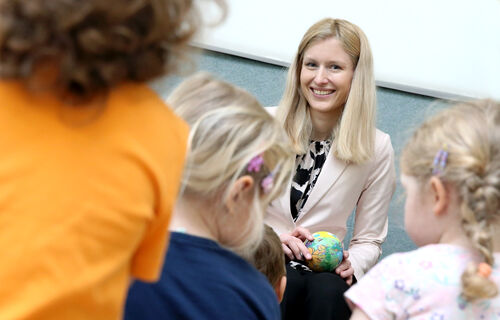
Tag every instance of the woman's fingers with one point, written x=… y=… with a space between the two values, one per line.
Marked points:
x=295 y=248
x=304 y=251
x=299 y=249
x=345 y=269
x=302 y=234
x=347 y=272
x=287 y=251
x=346 y=254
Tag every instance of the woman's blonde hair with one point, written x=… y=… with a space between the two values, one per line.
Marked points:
x=470 y=133
x=354 y=135
x=228 y=129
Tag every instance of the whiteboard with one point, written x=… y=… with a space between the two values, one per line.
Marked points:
x=442 y=48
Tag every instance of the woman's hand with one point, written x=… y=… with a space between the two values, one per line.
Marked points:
x=345 y=269
x=293 y=243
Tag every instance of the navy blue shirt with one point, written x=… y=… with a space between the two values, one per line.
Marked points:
x=202 y=280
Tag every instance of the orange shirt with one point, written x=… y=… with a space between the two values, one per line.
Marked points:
x=86 y=195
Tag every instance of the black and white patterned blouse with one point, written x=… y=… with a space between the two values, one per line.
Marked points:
x=308 y=168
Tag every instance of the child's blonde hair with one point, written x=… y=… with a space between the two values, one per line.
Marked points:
x=354 y=137
x=470 y=133
x=228 y=129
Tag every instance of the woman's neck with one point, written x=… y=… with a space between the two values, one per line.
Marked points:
x=324 y=123
x=192 y=217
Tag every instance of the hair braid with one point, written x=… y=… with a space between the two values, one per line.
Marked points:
x=471 y=134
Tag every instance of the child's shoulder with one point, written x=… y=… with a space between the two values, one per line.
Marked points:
x=136 y=108
x=217 y=271
x=430 y=258
x=207 y=252
x=434 y=251
x=135 y=96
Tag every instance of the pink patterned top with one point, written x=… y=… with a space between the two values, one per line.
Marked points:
x=422 y=284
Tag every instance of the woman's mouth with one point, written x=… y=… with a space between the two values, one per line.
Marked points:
x=322 y=92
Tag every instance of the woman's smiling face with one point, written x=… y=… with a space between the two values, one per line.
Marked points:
x=326 y=76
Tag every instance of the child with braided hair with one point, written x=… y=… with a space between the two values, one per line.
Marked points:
x=451 y=174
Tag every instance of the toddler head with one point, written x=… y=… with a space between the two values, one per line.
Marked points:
x=460 y=147
x=239 y=158
x=269 y=259
x=92 y=45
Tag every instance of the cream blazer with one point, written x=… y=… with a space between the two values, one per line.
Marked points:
x=341 y=188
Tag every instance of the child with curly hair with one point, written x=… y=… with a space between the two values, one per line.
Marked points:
x=91 y=157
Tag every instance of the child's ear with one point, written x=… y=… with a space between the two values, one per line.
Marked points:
x=238 y=192
x=280 y=288
x=440 y=194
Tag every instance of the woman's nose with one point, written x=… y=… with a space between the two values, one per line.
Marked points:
x=321 y=76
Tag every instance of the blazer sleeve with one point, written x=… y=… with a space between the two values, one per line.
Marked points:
x=370 y=224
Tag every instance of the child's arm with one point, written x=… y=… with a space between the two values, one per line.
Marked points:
x=358 y=314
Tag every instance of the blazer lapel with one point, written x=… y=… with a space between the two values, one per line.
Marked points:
x=284 y=202
x=330 y=173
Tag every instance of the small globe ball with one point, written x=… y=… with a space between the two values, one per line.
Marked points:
x=326 y=251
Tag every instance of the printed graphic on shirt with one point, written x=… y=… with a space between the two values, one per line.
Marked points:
x=308 y=169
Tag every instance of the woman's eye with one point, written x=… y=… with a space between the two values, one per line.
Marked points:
x=334 y=66
x=310 y=64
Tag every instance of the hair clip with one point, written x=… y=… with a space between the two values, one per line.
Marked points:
x=268 y=182
x=255 y=164
x=484 y=269
x=439 y=163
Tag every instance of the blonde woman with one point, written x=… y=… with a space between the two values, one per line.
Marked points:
x=343 y=163
x=239 y=159
x=451 y=175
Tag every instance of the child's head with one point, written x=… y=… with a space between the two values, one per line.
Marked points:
x=269 y=259
x=239 y=158
x=456 y=156
x=358 y=104
x=93 y=44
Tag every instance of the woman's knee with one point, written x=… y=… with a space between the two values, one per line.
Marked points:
x=327 y=284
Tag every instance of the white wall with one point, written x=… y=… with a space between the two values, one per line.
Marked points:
x=441 y=48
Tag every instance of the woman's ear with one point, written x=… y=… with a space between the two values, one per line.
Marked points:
x=238 y=193
x=440 y=195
